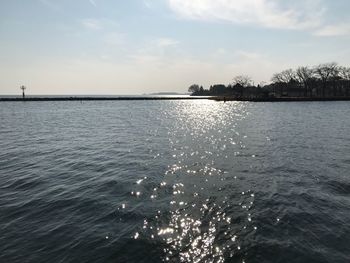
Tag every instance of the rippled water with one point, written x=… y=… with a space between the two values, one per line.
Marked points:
x=174 y=181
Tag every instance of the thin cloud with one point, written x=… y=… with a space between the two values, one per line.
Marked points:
x=148 y=4
x=333 y=30
x=157 y=51
x=165 y=42
x=50 y=4
x=93 y=2
x=99 y=23
x=92 y=24
x=114 y=39
x=247 y=55
x=264 y=13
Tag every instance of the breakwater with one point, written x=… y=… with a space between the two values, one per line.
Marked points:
x=218 y=98
x=91 y=98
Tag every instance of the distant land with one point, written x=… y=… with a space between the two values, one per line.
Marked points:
x=165 y=94
x=322 y=82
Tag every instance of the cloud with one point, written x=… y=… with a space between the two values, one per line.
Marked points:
x=50 y=4
x=165 y=42
x=333 y=30
x=93 y=24
x=107 y=30
x=114 y=39
x=147 y=3
x=265 y=13
x=93 y=2
x=99 y=23
x=156 y=50
x=247 y=55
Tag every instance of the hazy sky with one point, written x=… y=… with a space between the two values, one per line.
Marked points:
x=143 y=46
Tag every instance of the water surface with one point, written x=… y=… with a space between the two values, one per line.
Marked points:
x=174 y=181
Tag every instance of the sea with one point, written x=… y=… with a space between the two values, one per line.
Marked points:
x=174 y=181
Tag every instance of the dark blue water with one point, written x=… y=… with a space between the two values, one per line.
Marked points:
x=174 y=181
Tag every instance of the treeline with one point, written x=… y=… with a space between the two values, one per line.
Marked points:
x=323 y=81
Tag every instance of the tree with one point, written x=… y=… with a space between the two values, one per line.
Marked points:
x=304 y=75
x=283 y=79
x=285 y=76
x=194 y=88
x=325 y=72
x=242 y=80
x=344 y=73
x=218 y=89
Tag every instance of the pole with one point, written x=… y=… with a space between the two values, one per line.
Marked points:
x=23 y=94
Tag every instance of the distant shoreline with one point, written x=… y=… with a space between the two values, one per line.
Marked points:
x=216 y=98
x=281 y=99
x=90 y=98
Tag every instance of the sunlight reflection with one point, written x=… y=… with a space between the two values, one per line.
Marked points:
x=204 y=221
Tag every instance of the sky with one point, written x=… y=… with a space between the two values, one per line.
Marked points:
x=126 y=47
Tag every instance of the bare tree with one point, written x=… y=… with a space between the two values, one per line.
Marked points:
x=277 y=78
x=285 y=76
x=304 y=75
x=344 y=73
x=283 y=79
x=325 y=72
x=243 y=80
